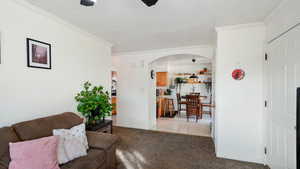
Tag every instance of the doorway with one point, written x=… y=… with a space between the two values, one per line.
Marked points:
x=114 y=81
x=177 y=77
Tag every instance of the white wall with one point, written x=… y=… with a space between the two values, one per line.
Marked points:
x=239 y=104
x=136 y=91
x=27 y=93
x=132 y=95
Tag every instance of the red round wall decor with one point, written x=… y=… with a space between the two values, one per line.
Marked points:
x=238 y=74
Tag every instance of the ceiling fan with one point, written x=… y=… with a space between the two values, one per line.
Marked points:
x=92 y=2
x=150 y=2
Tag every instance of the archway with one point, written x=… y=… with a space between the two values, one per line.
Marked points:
x=136 y=89
x=173 y=67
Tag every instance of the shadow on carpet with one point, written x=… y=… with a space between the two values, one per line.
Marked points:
x=143 y=149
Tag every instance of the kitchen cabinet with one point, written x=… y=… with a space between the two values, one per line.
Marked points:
x=161 y=79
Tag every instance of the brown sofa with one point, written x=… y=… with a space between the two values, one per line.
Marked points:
x=101 y=154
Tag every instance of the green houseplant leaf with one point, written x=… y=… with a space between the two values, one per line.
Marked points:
x=93 y=103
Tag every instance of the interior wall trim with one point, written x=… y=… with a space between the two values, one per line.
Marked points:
x=283 y=33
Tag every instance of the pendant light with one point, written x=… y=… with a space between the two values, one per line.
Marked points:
x=193 y=76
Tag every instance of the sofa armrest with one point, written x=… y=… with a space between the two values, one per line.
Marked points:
x=100 y=140
x=2 y=167
x=107 y=143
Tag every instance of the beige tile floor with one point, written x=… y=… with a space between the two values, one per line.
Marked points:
x=181 y=126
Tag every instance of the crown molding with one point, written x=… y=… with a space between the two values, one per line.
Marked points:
x=59 y=20
x=166 y=50
x=240 y=26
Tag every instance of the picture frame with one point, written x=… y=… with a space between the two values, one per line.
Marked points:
x=38 y=54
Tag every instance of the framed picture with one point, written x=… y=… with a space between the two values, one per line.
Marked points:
x=38 y=54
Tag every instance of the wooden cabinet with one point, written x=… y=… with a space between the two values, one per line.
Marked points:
x=161 y=79
x=114 y=102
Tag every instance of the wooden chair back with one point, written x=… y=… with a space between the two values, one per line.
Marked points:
x=193 y=106
x=193 y=103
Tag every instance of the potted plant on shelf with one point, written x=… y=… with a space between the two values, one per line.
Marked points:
x=94 y=104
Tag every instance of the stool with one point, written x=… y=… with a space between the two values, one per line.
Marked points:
x=169 y=107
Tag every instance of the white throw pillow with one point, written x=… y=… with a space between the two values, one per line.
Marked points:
x=72 y=143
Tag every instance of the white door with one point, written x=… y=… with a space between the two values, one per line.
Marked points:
x=283 y=69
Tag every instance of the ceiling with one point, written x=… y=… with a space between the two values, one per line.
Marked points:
x=131 y=26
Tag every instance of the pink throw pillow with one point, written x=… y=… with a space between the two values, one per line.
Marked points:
x=34 y=154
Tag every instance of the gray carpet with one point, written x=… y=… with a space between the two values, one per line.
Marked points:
x=140 y=149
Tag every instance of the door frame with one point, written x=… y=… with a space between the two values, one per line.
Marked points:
x=267 y=112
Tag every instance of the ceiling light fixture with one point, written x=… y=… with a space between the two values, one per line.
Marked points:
x=150 y=2
x=193 y=76
x=88 y=2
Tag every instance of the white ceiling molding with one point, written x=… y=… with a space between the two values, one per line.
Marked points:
x=240 y=26
x=40 y=11
x=149 y=56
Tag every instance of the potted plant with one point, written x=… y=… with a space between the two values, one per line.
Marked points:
x=178 y=83
x=94 y=104
x=168 y=92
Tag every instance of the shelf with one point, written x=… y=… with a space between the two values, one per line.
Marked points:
x=206 y=74
x=196 y=83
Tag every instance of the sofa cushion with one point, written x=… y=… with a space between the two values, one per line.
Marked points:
x=7 y=135
x=34 y=154
x=94 y=160
x=43 y=127
x=72 y=143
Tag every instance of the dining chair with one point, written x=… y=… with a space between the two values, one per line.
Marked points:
x=208 y=105
x=180 y=103
x=193 y=107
